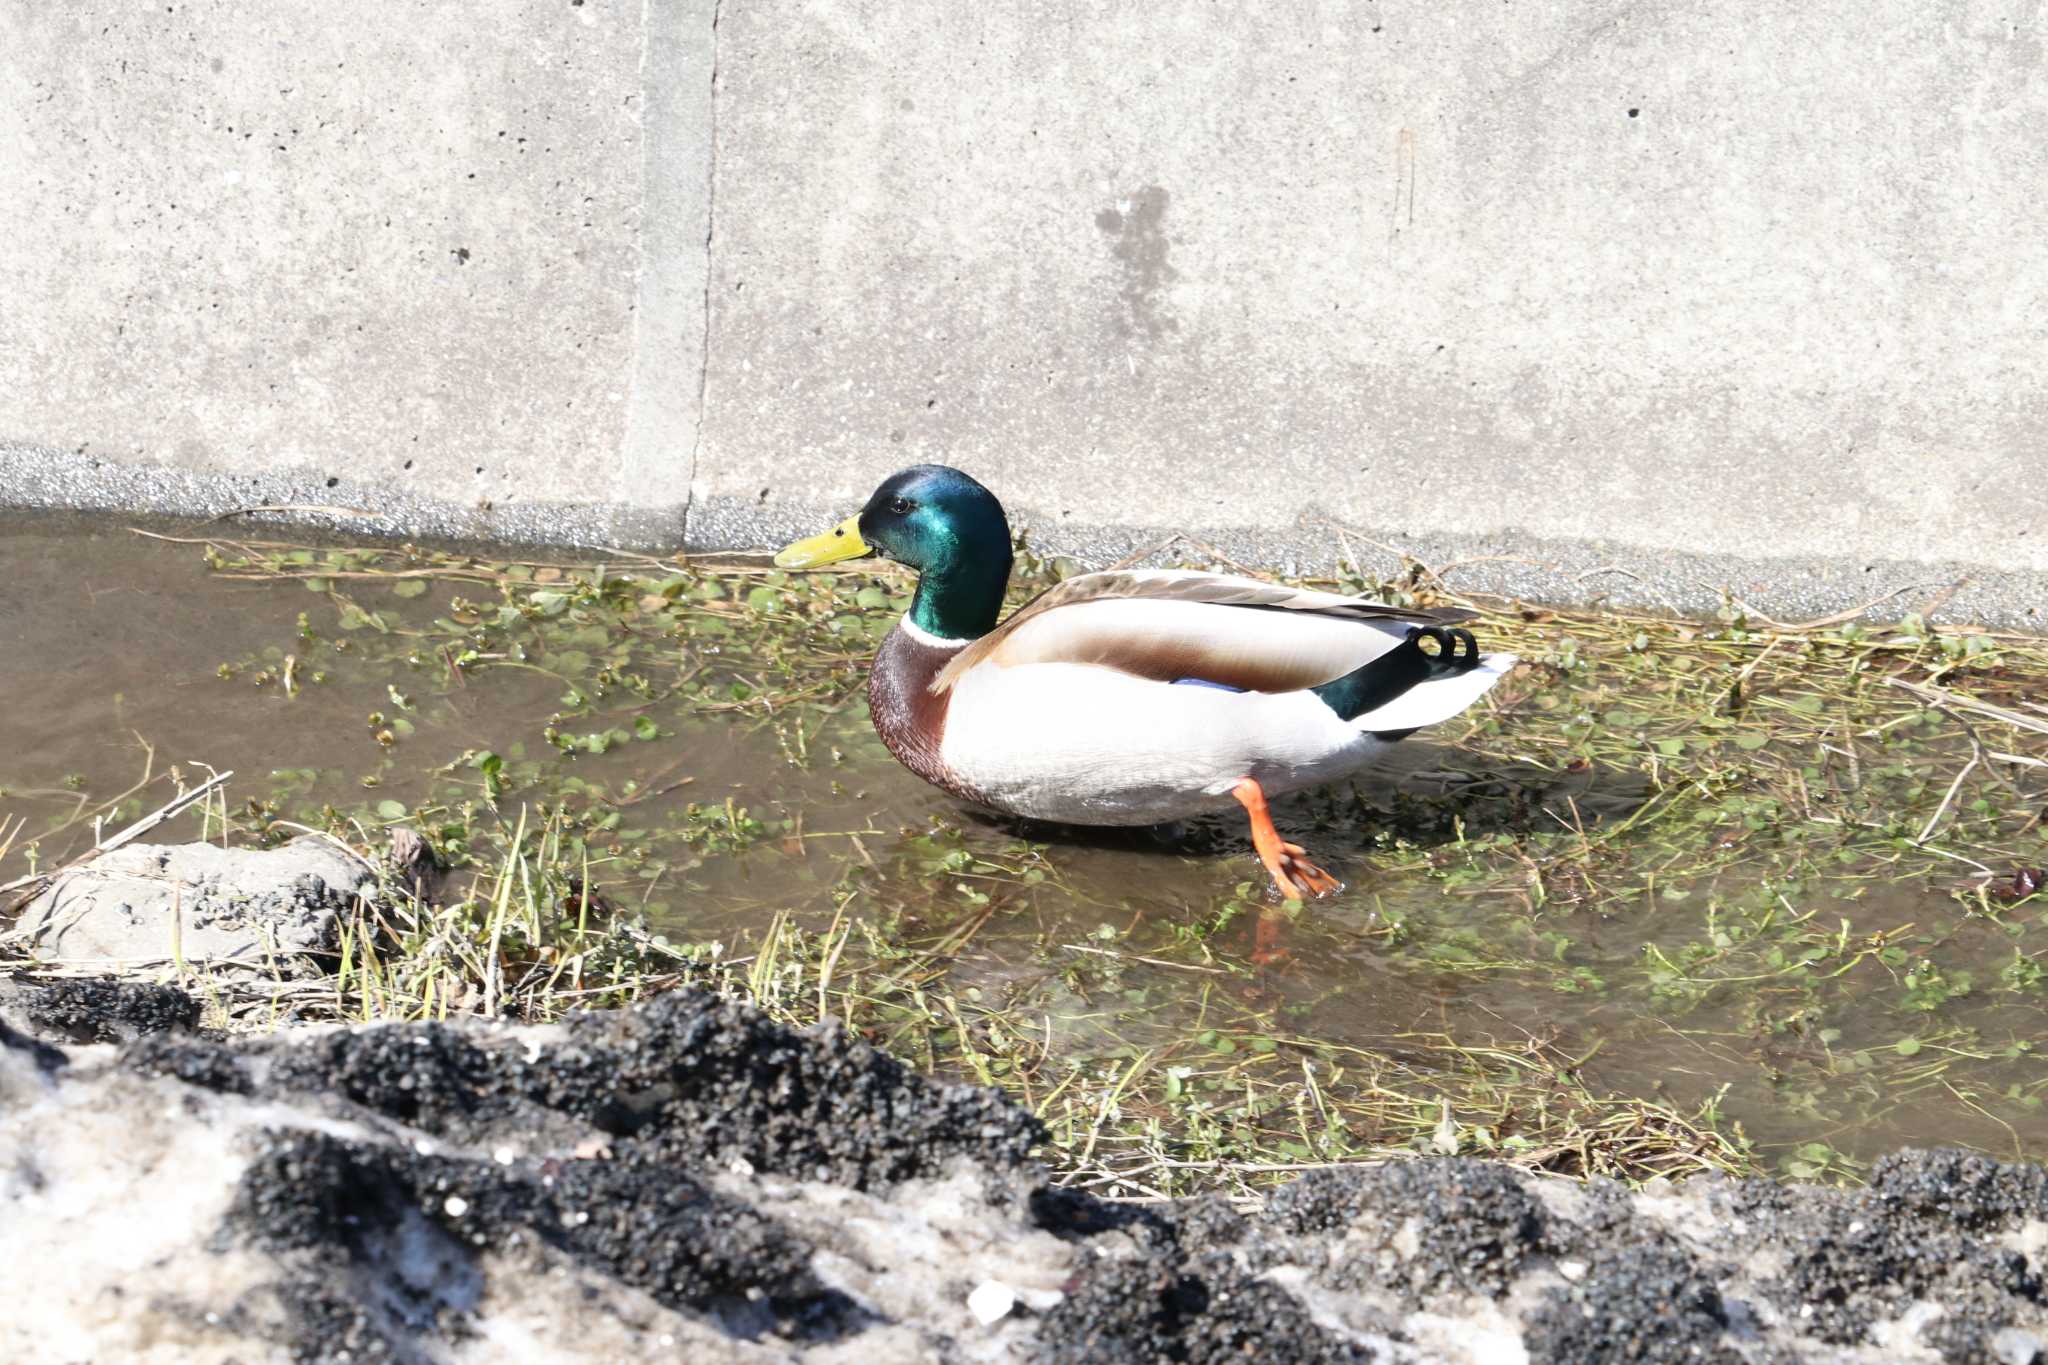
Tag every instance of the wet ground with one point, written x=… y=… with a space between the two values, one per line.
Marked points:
x=1672 y=880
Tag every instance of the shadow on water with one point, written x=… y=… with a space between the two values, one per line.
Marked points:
x=1420 y=794
x=1629 y=879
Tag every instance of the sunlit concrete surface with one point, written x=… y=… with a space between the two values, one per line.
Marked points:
x=1639 y=302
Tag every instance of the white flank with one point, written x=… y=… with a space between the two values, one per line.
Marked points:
x=1097 y=746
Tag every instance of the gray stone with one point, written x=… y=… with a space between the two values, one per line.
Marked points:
x=2017 y=1346
x=151 y=903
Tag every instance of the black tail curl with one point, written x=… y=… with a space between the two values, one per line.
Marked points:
x=1405 y=666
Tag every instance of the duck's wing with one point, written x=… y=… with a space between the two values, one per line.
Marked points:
x=1171 y=625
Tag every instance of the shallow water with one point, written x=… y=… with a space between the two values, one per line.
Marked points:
x=1814 y=983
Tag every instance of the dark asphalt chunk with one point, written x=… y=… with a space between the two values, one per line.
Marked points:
x=391 y=1184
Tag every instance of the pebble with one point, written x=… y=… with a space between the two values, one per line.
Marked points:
x=991 y=1302
x=2017 y=1346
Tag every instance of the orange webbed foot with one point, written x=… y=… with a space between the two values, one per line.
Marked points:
x=1294 y=876
x=1306 y=874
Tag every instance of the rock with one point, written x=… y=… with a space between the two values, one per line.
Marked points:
x=2011 y=1346
x=412 y=1192
x=414 y=865
x=991 y=1302
x=151 y=903
x=98 y=1010
x=687 y=1180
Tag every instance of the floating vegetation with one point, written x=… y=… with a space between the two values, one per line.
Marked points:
x=1735 y=894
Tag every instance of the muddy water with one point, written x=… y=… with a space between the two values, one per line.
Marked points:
x=1116 y=945
x=111 y=647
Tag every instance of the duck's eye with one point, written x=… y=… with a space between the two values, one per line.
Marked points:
x=901 y=506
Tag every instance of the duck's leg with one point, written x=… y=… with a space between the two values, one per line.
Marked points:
x=1294 y=876
x=1269 y=934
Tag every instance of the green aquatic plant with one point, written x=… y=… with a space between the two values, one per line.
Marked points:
x=1684 y=895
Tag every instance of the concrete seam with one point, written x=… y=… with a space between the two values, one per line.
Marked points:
x=710 y=232
x=639 y=339
x=649 y=484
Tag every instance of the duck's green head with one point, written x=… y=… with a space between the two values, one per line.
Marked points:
x=940 y=522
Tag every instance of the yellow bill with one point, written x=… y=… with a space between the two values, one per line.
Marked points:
x=829 y=547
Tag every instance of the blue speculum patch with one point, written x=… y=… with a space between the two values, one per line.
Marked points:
x=1204 y=682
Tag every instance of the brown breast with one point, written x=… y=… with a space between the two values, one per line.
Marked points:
x=908 y=716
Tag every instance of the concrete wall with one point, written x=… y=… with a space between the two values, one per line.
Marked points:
x=424 y=259
x=1644 y=300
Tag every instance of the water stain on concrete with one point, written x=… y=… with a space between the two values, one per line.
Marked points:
x=1138 y=241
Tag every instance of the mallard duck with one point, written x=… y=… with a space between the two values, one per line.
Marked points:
x=1135 y=696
